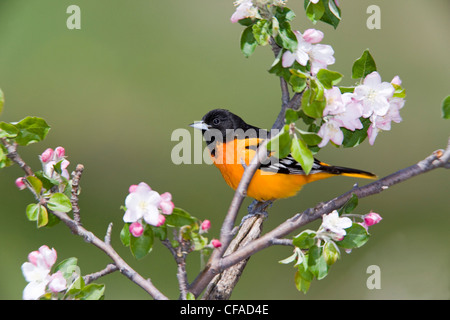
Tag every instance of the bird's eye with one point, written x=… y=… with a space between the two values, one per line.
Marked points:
x=216 y=121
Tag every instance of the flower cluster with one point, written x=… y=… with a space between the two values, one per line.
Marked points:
x=50 y=158
x=37 y=272
x=373 y=99
x=54 y=166
x=145 y=204
x=308 y=49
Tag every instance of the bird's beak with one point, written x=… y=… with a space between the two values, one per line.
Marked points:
x=199 y=125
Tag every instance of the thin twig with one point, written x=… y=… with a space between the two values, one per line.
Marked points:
x=76 y=176
x=110 y=268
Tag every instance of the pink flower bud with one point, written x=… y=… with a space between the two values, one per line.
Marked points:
x=57 y=282
x=60 y=152
x=372 y=218
x=47 y=155
x=132 y=188
x=397 y=81
x=312 y=36
x=206 y=224
x=20 y=184
x=136 y=229
x=216 y=243
x=166 y=205
x=161 y=220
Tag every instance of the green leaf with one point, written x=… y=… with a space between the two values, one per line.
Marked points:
x=354 y=138
x=298 y=84
x=47 y=182
x=179 y=218
x=332 y=14
x=305 y=239
x=2 y=100
x=284 y=14
x=248 y=42
x=4 y=160
x=59 y=202
x=316 y=263
x=141 y=246
x=278 y=69
x=302 y=154
x=329 y=78
x=35 y=183
x=291 y=116
x=446 y=108
x=67 y=267
x=310 y=138
x=363 y=66
x=42 y=218
x=31 y=130
x=125 y=234
x=330 y=253
x=350 y=205
x=281 y=143
x=8 y=130
x=261 y=32
x=312 y=105
x=356 y=236
x=315 y=11
x=32 y=211
x=303 y=278
x=286 y=37
x=92 y=291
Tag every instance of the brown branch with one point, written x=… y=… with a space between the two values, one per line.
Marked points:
x=76 y=176
x=15 y=157
x=110 y=268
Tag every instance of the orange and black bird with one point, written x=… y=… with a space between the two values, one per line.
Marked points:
x=232 y=144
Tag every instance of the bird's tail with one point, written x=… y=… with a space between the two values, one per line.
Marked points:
x=348 y=172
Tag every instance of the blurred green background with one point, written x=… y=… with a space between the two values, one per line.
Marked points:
x=114 y=91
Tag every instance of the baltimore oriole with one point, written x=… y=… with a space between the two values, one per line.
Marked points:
x=234 y=146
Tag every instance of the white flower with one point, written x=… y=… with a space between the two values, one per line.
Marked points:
x=301 y=54
x=321 y=56
x=335 y=224
x=330 y=130
x=143 y=202
x=374 y=95
x=37 y=272
x=245 y=9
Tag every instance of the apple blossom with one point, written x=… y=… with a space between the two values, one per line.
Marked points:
x=372 y=218
x=143 y=202
x=37 y=272
x=245 y=9
x=380 y=123
x=166 y=205
x=161 y=220
x=330 y=130
x=301 y=53
x=332 y=222
x=206 y=224
x=50 y=158
x=47 y=155
x=136 y=229
x=319 y=55
x=20 y=184
x=57 y=282
x=374 y=95
x=216 y=243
